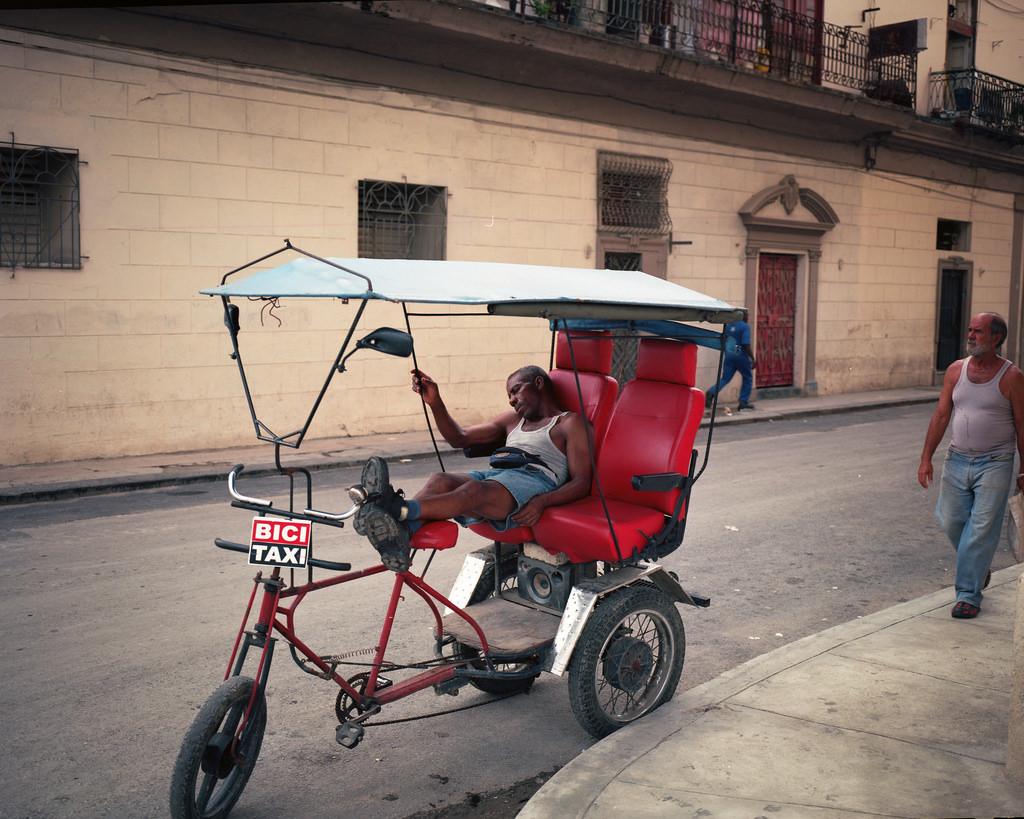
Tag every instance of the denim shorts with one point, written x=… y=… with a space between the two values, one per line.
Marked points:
x=523 y=484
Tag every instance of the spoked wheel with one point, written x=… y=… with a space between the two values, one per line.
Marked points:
x=212 y=769
x=628 y=659
x=499 y=688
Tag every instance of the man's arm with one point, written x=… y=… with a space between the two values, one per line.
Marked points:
x=577 y=452
x=937 y=426
x=1014 y=381
x=745 y=346
x=451 y=430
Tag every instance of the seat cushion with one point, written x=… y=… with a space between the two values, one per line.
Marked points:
x=598 y=391
x=662 y=359
x=580 y=529
x=437 y=534
x=592 y=352
x=652 y=430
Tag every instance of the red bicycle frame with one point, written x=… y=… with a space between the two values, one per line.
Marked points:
x=275 y=615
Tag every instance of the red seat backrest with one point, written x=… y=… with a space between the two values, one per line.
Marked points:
x=654 y=423
x=593 y=356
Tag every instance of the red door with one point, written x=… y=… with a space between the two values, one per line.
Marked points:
x=776 y=318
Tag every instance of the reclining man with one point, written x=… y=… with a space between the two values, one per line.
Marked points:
x=560 y=471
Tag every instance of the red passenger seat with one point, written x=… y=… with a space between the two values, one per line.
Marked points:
x=651 y=431
x=593 y=355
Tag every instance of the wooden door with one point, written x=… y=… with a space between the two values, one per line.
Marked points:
x=776 y=319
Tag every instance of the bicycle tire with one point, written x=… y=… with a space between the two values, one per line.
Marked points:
x=208 y=778
x=628 y=659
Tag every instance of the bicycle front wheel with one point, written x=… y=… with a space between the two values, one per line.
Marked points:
x=212 y=769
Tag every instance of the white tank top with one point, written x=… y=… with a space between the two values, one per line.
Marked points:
x=982 y=417
x=538 y=442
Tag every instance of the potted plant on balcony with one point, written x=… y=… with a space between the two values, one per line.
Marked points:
x=543 y=8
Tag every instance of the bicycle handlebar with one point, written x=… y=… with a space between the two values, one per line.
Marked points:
x=356 y=493
x=315 y=513
x=234 y=473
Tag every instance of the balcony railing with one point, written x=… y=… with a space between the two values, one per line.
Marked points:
x=755 y=34
x=975 y=98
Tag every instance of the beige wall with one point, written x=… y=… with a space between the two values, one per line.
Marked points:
x=194 y=168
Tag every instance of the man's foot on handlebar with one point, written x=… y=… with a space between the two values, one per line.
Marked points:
x=376 y=482
x=389 y=537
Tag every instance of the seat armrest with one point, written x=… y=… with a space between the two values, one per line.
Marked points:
x=659 y=482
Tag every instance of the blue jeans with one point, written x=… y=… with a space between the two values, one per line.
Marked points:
x=522 y=484
x=972 y=501
x=733 y=364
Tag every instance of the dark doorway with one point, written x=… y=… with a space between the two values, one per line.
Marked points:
x=952 y=316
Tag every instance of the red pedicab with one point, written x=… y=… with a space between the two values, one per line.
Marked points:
x=581 y=592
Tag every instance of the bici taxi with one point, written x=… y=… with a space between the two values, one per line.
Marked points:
x=580 y=593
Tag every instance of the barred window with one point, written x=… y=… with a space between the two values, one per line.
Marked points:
x=39 y=207
x=401 y=221
x=633 y=194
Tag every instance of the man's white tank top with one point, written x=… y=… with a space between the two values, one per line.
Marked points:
x=982 y=417
x=538 y=442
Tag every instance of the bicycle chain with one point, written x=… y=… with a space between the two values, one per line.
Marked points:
x=442 y=713
x=337 y=660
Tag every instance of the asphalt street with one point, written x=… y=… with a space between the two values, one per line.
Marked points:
x=120 y=613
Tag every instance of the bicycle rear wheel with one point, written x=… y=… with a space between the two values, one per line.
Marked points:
x=210 y=774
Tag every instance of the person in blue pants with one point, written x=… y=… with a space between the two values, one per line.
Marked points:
x=983 y=399
x=743 y=361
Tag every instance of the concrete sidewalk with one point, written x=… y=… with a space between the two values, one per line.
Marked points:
x=41 y=482
x=903 y=713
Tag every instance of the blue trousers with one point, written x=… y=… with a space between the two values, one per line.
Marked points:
x=739 y=363
x=972 y=502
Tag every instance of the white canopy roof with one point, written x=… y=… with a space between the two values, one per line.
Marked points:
x=504 y=289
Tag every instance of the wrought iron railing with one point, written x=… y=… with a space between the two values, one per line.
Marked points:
x=756 y=34
x=978 y=99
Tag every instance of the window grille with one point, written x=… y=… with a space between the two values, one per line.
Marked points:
x=400 y=221
x=633 y=194
x=625 y=343
x=39 y=207
x=622 y=261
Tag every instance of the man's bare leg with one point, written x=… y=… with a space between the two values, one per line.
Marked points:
x=445 y=495
x=455 y=494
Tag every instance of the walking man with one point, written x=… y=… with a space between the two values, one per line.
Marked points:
x=984 y=396
x=743 y=361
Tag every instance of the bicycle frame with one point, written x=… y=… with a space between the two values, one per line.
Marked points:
x=277 y=616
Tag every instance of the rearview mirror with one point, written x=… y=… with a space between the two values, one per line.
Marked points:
x=389 y=341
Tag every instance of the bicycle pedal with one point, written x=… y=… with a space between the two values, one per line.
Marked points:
x=348 y=734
